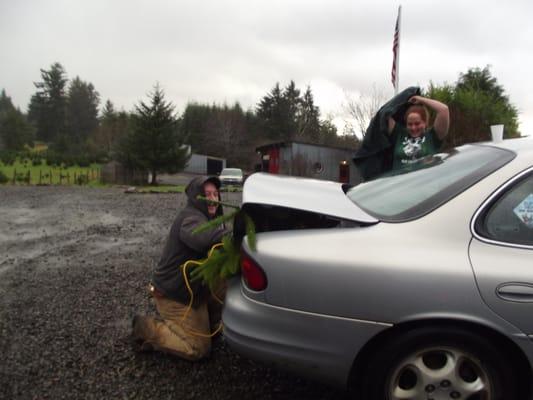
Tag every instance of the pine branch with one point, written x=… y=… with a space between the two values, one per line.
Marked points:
x=203 y=198
x=250 y=231
x=214 y=223
x=222 y=262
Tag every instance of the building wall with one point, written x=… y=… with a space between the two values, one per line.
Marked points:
x=198 y=164
x=320 y=162
x=115 y=173
x=285 y=160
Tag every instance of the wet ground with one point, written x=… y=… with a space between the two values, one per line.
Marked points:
x=74 y=264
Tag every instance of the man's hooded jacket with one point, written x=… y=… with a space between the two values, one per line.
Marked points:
x=375 y=154
x=182 y=245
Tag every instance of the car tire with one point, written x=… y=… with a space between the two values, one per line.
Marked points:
x=438 y=363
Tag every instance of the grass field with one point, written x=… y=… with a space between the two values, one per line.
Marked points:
x=43 y=174
x=160 y=189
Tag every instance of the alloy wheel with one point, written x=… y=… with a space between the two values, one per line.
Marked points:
x=437 y=374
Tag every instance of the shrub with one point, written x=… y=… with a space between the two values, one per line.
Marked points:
x=36 y=158
x=83 y=161
x=82 y=180
x=53 y=159
x=8 y=157
x=23 y=177
x=68 y=162
x=3 y=178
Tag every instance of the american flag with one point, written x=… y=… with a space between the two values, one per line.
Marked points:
x=396 y=52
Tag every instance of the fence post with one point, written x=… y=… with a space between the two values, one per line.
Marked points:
x=40 y=176
x=14 y=175
x=50 y=177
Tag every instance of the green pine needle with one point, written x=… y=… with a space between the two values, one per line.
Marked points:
x=222 y=264
x=200 y=197
x=250 y=232
x=224 y=261
x=212 y=224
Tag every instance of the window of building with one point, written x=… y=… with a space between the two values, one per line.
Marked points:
x=318 y=167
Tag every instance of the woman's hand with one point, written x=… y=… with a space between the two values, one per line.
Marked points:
x=442 y=114
x=416 y=100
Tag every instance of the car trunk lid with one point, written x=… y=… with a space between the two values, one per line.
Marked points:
x=314 y=196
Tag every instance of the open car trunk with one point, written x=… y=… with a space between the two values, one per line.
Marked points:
x=277 y=202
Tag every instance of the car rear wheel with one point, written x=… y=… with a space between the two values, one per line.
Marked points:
x=443 y=363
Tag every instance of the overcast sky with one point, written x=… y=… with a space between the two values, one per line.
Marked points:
x=227 y=51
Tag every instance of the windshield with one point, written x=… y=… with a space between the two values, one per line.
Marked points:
x=231 y=172
x=421 y=187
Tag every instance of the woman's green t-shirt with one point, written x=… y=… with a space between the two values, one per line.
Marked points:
x=408 y=150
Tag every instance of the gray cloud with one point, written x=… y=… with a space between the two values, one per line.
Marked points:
x=233 y=50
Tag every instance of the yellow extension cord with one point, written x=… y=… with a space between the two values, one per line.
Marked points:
x=184 y=267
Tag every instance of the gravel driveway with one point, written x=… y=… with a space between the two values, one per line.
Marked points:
x=74 y=264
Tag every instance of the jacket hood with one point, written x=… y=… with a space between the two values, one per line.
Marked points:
x=196 y=188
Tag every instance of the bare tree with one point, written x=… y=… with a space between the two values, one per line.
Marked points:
x=360 y=110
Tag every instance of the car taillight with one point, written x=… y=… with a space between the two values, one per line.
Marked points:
x=253 y=275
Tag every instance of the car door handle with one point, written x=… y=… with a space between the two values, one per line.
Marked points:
x=519 y=292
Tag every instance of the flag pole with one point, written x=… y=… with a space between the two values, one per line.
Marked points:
x=396 y=53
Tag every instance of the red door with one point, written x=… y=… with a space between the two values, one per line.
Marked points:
x=273 y=164
x=344 y=172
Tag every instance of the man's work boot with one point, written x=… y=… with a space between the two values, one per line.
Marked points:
x=141 y=332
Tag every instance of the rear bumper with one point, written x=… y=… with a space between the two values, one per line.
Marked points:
x=312 y=345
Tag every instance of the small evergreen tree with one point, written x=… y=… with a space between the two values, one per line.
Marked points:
x=6 y=103
x=112 y=126
x=47 y=109
x=82 y=110
x=308 y=118
x=193 y=126
x=154 y=143
x=15 y=131
x=273 y=116
x=287 y=115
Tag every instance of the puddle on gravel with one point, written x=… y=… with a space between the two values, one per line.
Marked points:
x=29 y=233
x=101 y=245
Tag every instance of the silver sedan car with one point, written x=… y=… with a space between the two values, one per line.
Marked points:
x=416 y=285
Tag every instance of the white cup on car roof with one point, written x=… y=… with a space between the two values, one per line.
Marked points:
x=497 y=132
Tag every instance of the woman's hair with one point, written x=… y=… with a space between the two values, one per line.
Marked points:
x=420 y=110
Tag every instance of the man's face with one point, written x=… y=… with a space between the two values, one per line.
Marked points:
x=211 y=193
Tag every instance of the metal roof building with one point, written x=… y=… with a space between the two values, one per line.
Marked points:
x=309 y=160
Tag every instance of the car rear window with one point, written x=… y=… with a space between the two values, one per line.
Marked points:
x=421 y=187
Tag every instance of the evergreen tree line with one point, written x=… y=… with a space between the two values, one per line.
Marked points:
x=67 y=116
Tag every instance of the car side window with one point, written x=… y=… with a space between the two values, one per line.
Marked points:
x=510 y=219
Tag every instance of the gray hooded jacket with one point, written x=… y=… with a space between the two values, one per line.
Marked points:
x=183 y=245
